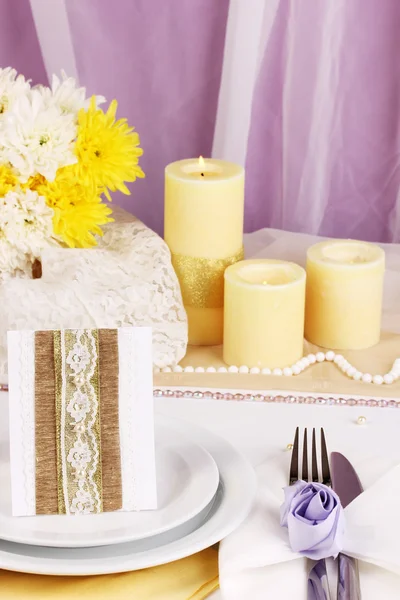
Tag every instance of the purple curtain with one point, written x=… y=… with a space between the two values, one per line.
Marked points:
x=19 y=46
x=324 y=141
x=162 y=60
x=324 y=144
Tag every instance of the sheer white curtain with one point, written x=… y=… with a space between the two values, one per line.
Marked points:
x=309 y=100
x=305 y=94
x=248 y=28
x=54 y=35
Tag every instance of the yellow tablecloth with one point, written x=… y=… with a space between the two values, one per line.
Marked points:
x=319 y=378
x=192 y=578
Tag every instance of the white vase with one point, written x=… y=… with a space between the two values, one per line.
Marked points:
x=127 y=280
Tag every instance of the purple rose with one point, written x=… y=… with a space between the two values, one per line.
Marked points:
x=315 y=520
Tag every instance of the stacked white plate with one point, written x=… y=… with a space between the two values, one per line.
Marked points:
x=205 y=490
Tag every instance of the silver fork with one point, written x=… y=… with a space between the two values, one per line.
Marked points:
x=318 y=588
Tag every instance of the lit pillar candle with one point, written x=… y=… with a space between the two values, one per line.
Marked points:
x=204 y=231
x=264 y=313
x=344 y=294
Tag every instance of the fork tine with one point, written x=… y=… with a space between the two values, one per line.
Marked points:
x=294 y=464
x=326 y=474
x=304 y=470
x=314 y=463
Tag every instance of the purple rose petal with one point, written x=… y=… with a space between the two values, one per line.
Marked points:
x=315 y=520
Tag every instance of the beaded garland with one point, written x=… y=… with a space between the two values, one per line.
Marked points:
x=342 y=363
x=279 y=399
x=330 y=356
x=318 y=400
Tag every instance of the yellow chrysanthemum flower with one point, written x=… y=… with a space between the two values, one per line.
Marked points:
x=34 y=182
x=8 y=179
x=107 y=150
x=78 y=209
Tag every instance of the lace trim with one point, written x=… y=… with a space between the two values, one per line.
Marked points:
x=95 y=439
x=21 y=419
x=136 y=419
x=27 y=401
x=127 y=369
x=79 y=431
x=62 y=417
x=144 y=436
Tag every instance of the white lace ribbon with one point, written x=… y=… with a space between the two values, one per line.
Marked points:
x=79 y=408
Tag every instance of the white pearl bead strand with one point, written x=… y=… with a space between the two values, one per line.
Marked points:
x=305 y=362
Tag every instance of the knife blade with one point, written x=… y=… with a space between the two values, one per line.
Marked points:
x=347 y=485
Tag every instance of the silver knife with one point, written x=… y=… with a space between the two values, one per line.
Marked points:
x=347 y=485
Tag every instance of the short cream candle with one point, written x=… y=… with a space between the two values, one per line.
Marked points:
x=264 y=313
x=203 y=228
x=344 y=294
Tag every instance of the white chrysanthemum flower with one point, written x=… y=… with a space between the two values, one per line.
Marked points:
x=65 y=94
x=26 y=227
x=12 y=262
x=12 y=86
x=37 y=138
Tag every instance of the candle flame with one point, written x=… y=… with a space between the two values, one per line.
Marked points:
x=265 y=282
x=201 y=162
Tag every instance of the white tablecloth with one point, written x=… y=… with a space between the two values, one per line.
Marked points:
x=273 y=243
x=261 y=431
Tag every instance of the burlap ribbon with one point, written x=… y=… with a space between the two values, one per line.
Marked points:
x=78 y=467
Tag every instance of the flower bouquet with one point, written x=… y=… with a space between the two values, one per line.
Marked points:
x=60 y=157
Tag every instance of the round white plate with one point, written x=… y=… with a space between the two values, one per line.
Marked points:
x=187 y=480
x=233 y=502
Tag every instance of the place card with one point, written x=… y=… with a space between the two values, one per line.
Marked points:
x=81 y=421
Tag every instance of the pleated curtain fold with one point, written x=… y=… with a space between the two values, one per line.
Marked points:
x=305 y=94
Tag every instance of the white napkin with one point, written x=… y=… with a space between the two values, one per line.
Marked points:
x=256 y=561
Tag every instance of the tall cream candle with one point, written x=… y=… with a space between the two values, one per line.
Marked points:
x=344 y=294
x=264 y=313
x=204 y=230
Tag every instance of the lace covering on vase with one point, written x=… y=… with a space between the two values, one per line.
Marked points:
x=126 y=280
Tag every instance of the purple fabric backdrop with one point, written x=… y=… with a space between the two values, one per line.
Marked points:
x=162 y=61
x=323 y=149
x=19 y=47
x=323 y=152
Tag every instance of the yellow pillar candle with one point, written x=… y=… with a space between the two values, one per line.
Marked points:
x=344 y=294
x=203 y=228
x=264 y=313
